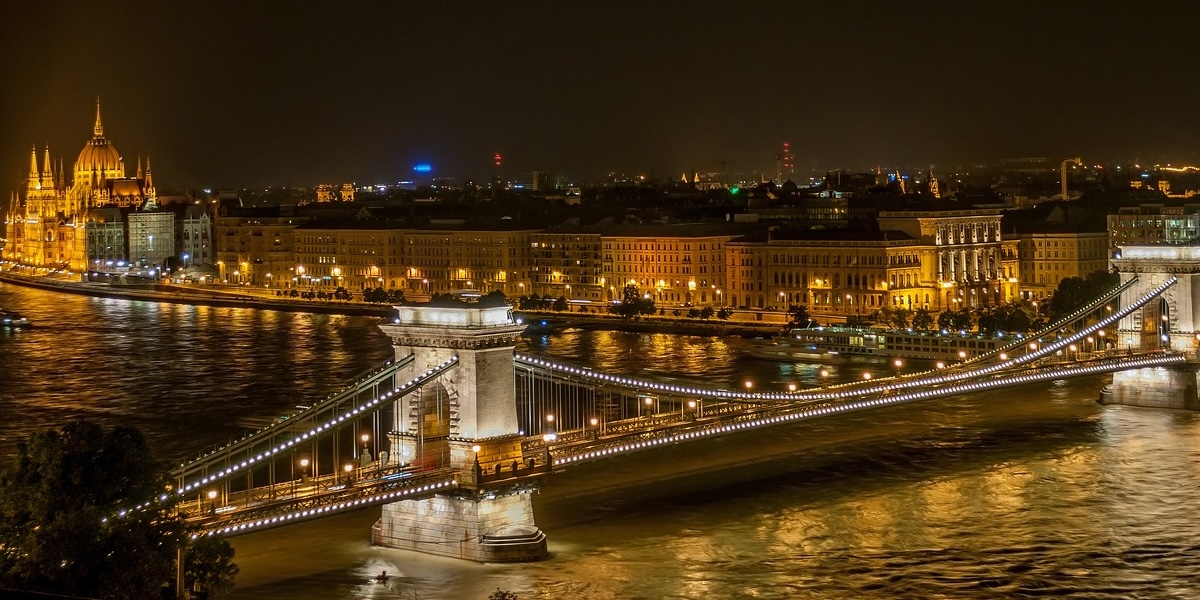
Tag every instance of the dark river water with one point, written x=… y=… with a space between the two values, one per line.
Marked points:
x=1028 y=492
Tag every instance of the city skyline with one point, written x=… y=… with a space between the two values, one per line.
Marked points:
x=255 y=96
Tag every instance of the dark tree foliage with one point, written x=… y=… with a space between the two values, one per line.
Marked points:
x=922 y=320
x=210 y=562
x=493 y=299
x=1075 y=292
x=1006 y=318
x=632 y=304
x=956 y=320
x=724 y=314
x=61 y=524
x=799 y=315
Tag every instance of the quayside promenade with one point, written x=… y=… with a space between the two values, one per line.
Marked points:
x=743 y=325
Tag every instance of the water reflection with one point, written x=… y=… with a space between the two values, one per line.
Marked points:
x=1035 y=491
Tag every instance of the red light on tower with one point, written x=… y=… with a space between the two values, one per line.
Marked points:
x=787 y=157
x=497 y=159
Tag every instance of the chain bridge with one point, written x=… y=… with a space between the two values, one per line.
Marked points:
x=452 y=435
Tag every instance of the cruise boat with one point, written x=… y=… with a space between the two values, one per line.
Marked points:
x=841 y=343
x=787 y=350
x=12 y=320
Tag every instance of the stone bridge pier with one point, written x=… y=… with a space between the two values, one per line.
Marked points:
x=467 y=420
x=1169 y=323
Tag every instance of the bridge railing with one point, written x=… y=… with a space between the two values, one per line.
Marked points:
x=1091 y=307
x=767 y=415
x=363 y=382
x=321 y=422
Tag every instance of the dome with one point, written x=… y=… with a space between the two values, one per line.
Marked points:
x=100 y=155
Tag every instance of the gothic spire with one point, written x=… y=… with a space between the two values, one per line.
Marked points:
x=139 y=171
x=48 y=170
x=98 y=129
x=33 y=166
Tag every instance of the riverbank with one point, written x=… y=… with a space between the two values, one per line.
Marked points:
x=539 y=322
x=186 y=294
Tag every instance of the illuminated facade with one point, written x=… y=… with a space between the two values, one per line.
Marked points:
x=1152 y=224
x=47 y=228
x=676 y=264
x=964 y=260
x=466 y=260
x=567 y=265
x=834 y=273
x=255 y=242
x=934 y=260
x=355 y=258
x=1048 y=258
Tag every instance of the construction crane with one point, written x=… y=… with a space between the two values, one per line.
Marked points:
x=1063 y=173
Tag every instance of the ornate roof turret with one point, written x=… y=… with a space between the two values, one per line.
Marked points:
x=98 y=128
x=48 y=171
x=33 y=168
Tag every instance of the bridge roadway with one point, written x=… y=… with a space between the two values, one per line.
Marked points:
x=293 y=501
x=701 y=413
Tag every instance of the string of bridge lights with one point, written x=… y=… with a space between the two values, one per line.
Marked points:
x=812 y=412
x=1095 y=305
x=340 y=506
x=316 y=407
x=251 y=461
x=1037 y=352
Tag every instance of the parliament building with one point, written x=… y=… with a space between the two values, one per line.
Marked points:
x=48 y=227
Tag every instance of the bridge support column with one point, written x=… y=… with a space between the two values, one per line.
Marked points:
x=465 y=421
x=1159 y=387
x=472 y=526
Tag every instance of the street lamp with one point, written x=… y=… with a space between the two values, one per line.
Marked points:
x=304 y=470
x=349 y=468
x=212 y=500
x=866 y=376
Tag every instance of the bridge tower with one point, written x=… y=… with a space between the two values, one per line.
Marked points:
x=466 y=421
x=1169 y=323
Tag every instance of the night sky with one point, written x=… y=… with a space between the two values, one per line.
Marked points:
x=257 y=93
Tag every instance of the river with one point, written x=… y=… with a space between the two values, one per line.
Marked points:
x=1034 y=491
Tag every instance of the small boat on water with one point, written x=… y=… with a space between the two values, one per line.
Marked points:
x=12 y=320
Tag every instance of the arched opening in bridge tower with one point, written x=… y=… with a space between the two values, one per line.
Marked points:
x=431 y=423
x=1156 y=324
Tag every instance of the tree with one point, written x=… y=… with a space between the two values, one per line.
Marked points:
x=724 y=314
x=560 y=304
x=922 y=320
x=900 y=318
x=500 y=594
x=799 y=315
x=629 y=306
x=60 y=524
x=706 y=313
x=1075 y=292
x=210 y=562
